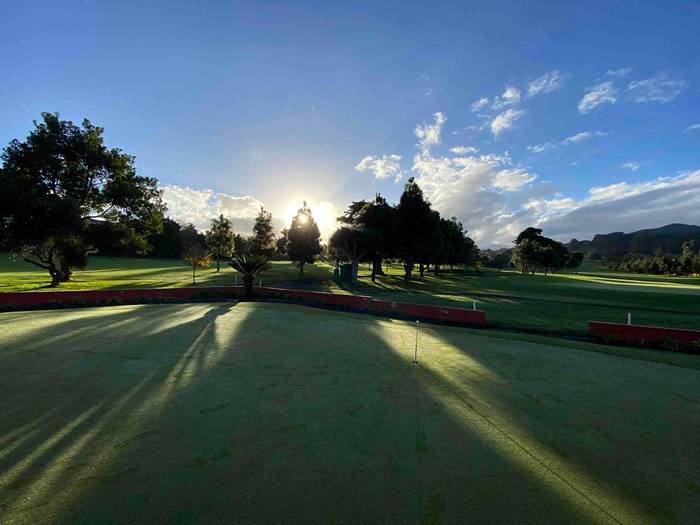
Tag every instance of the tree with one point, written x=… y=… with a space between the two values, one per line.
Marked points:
x=534 y=251
x=250 y=266
x=263 y=240
x=58 y=180
x=380 y=220
x=167 y=243
x=242 y=244
x=496 y=259
x=416 y=227
x=688 y=253
x=574 y=261
x=525 y=256
x=196 y=256
x=351 y=241
x=303 y=238
x=281 y=243
x=219 y=239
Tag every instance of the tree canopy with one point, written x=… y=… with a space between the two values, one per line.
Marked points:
x=58 y=182
x=220 y=240
x=303 y=238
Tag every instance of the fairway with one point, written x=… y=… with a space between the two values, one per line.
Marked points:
x=557 y=304
x=279 y=413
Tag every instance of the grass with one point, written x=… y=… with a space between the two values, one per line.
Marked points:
x=272 y=413
x=123 y=272
x=560 y=304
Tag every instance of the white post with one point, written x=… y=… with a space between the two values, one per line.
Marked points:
x=259 y=282
x=415 y=351
x=474 y=305
x=629 y=317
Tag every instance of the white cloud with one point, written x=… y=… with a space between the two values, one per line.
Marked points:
x=479 y=104
x=506 y=120
x=495 y=199
x=573 y=139
x=634 y=166
x=659 y=88
x=199 y=207
x=429 y=134
x=692 y=127
x=618 y=73
x=550 y=81
x=384 y=167
x=510 y=97
x=603 y=93
x=462 y=150
x=513 y=179
x=627 y=207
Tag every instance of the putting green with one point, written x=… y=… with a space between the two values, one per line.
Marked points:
x=273 y=413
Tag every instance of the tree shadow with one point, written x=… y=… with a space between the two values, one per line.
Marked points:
x=276 y=413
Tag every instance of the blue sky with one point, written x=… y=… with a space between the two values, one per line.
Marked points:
x=587 y=126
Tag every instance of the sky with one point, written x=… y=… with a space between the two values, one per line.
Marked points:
x=579 y=119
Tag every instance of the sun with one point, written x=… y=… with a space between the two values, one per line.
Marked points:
x=324 y=214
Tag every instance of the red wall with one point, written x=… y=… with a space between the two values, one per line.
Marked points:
x=354 y=302
x=638 y=333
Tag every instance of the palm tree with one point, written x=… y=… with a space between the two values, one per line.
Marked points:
x=249 y=266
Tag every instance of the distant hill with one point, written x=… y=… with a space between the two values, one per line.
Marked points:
x=668 y=238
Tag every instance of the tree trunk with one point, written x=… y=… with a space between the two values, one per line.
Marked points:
x=301 y=269
x=194 y=276
x=355 y=263
x=436 y=269
x=421 y=269
x=408 y=270
x=218 y=266
x=377 y=267
x=56 y=276
x=248 y=283
x=66 y=271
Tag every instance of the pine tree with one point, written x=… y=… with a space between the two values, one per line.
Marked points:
x=303 y=238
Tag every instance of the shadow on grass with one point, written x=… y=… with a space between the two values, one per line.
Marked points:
x=279 y=413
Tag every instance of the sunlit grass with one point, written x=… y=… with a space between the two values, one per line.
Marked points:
x=124 y=272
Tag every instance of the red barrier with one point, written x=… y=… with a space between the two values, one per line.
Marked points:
x=353 y=302
x=643 y=334
x=437 y=313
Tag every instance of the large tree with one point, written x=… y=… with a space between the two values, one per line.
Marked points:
x=351 y=241
x=303 y=238
x=60 y=179
x=263 y=240
x=534 y=251
x=416 y=227
x=219 y=240
x=167 y=243
x=380 y=220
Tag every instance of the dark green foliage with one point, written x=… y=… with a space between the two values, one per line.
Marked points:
x=687 y=263
x=58 y=182
x=263 y=240
x=534 y=252
x=497 y=259
x=194 y=249
x=281 y=244
x=242 y=244
x=303 y=238
x=249 y=266
x=220 y=240
x=417 y=228
x=167 y=243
